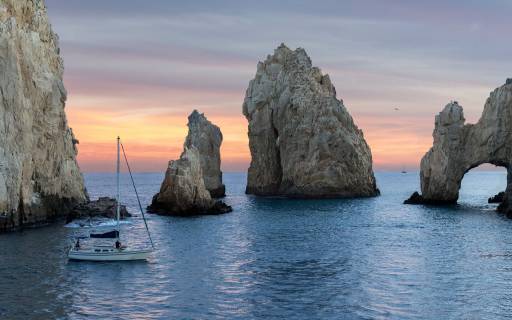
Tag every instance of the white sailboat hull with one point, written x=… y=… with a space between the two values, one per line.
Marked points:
x=111 y=255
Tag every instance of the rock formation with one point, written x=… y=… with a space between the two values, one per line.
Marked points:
x=497 y=198
x=415 y=198
x=39 y=176
x=303 y=141
x=103 y=207
x=207 y=138
x=459 y=147
x=183 y=191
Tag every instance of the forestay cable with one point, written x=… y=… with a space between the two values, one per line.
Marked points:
x=137 y=194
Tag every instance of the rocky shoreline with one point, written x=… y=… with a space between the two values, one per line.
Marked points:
x=417 y=198
x=103 y=207
x=217 y=208
x=498 y=198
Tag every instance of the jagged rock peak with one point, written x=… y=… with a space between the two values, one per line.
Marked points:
x=207 y=138
x=303 y=141
x=183 y=191
x=459 y=147
x=452 y=114
x=39 y=177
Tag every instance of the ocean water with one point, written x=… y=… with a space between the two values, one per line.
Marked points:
x=278 y=259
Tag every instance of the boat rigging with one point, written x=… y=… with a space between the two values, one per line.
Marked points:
x=117 y=251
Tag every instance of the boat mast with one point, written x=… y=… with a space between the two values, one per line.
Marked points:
x=118 y=199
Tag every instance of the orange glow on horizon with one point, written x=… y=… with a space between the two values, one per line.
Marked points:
x=151 y=140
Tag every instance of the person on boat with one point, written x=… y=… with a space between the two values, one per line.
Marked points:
x=118 y=244
x=77 y=244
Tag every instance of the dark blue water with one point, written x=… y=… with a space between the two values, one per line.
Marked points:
x=275 y=258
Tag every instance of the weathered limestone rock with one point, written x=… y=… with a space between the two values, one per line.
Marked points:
x=207 y=138
x=303 y=141
x=192 y=180
x=39 y=177
x=103 y=207
x=183 y=191
x=459 y=147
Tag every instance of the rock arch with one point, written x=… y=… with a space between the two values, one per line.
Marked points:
x=459 y=147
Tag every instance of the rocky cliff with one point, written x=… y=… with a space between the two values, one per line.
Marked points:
x=39 y=176
x=183 y=191
x=458 y=147
x=207 y=138
x=303 y=141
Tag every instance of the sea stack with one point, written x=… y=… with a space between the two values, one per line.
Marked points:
x=183 y=191
x=302 y=139
x=207 y=138
x=458 y=147
x=39 y=177
x=191 y=181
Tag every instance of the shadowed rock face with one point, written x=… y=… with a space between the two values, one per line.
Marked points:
x=303 y=141
x=39 y=177
x=103 y=207
x=498 y=198
x=183 y=191
x=459 y=147
x=207 y=138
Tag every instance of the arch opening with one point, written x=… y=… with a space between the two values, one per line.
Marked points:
x=484 y=184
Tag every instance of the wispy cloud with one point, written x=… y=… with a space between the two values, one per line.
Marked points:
x=135 y=59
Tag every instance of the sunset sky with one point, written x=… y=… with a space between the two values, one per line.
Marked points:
x=138 y=68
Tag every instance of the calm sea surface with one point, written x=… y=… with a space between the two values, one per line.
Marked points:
x=276 y=258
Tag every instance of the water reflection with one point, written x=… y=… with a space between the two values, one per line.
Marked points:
x=277 y=258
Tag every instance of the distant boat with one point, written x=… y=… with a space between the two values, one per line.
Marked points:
x=403 y=169
x=115 y=251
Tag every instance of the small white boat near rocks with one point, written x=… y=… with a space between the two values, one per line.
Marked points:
x=116 y=251
x=108 y=253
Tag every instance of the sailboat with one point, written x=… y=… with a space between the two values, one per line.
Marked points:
x=115 y=251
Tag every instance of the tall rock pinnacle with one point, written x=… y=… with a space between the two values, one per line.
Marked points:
x=303 y=141
x=207 y=138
